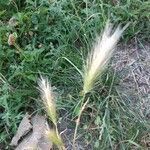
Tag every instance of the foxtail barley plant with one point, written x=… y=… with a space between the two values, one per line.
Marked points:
x=98 y=58
x=97 y=61
x=47 y=97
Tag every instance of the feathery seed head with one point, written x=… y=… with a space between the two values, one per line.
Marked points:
x=54 y=137
x=100 y=55
x=48 y=98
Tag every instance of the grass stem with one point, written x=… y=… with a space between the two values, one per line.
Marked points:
x=78 y=120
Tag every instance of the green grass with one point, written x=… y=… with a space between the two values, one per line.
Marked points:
x=55 y=36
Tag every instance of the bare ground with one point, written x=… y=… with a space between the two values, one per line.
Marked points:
x=132 y=63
